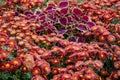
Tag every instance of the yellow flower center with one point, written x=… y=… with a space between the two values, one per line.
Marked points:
x=29 y=63
x=24 y=68
x=111 y=39
x=4 y=54
x=15 y=62
x=7 y=65
x=11 y=43
x=55 y=49
x=36 y=71
x=75 y=78
x=22 y=24
x=46 y=68
x=66 y=76
x=2 y=39
x=88 y=77
x=55 y=61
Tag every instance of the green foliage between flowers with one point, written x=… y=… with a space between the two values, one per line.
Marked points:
x=17 y=75
x=1 y=2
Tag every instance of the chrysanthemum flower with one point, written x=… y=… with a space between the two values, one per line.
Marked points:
x=36 y=71
x=16 y=62
x=29 y=64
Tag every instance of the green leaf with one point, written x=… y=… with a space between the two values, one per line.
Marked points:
x=50 y=76
x=18 y=73
x=80 y=0
x=115 y=21
x=15 y=77
x=45 y=3
x=1 y=2
x=26 y=76
x=108 y=65
x=10 y=57
x=5 y=75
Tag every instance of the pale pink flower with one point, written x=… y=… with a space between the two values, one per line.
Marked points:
x=37 y=77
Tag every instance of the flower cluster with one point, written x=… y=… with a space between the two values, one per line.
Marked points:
x=25 y=4
x=64 y=40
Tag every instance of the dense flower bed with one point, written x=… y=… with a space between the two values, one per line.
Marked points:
x=60 y=40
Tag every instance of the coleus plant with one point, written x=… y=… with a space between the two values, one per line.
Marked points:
x=63 y=19
x=25 y=49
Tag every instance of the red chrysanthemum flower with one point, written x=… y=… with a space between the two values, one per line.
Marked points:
x=98 y=64
x=7 y=65
x=37 y=77
x=4 y=54
x=111 y=38
x=35 y=71
x=29 y=64
x=24 y=69
x=12 y=43
x=16 y=62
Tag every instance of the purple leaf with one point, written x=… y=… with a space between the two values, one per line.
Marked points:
x=82 y=27
x=37 y=13
x=51 y=11
x=85 y=18
x=39 y=28
x=81 y=39
x=72 y=39
x=51 y=5
x=64 y=11
x=69 y=19
x=28 y=13
x=77 y=12
x=63 y=21
x=33 y=17
x=90 y=24
x=46 y=24
x=63 y=4
x=51 y=27
x=49 y=8
x=75 y=18
x=52 y=18
x=49 y=31
x=77 y=34
x=42 y=17
x=62 y=31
